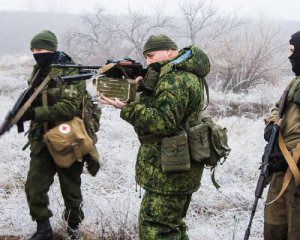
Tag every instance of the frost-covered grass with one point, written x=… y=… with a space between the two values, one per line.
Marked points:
x=111 y=202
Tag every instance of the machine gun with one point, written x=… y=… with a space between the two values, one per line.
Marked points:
x=115 y=79
x=264 y=168
x=116 y=68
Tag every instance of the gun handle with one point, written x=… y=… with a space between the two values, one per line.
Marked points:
x=20 y=126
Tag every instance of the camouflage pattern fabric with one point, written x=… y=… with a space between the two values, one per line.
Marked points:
x=282 y=218
x=177 y=97
x=161 y=217
x=63 y=104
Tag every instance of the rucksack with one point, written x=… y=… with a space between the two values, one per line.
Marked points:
x=208 y=143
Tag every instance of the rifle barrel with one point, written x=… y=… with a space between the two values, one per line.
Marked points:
x=75 y=66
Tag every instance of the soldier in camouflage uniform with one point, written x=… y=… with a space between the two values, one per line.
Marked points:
x=282 y=217
x=172 y=93
x=64 y=102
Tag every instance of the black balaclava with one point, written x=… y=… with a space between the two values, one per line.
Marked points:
x=44 y=59
x=295 y=57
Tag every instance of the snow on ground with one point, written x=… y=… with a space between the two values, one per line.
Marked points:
x=111 y=202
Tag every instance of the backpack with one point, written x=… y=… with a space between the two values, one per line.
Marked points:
x=208 y=143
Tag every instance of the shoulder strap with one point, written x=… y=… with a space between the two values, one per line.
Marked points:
x=28 y=103
x=207 y=92
x=292 y=170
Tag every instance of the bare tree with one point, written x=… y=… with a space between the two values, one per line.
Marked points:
x=243 y=60
x=106 y=36
x=202 y=22
x=93 y=42
x=137 y=28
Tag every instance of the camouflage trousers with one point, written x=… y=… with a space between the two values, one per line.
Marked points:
x=39 y=179
x=161 y=217
x=282 y=218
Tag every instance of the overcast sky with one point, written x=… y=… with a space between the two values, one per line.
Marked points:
x=275 y=9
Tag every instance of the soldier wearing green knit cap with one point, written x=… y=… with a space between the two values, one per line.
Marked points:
x=171 y=94
x=63 y=102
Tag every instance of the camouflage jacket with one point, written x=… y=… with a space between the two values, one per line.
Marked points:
x=177 y=97
x=291 y=126
x=64 y=102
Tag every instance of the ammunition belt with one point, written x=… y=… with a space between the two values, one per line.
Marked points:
x=151 y=138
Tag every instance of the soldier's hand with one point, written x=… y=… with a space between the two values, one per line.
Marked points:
x=138 y=81
x=117 y=103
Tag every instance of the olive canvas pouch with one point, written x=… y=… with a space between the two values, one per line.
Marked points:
x=175 y=156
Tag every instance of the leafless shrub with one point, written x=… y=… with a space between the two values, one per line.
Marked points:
x=243 y=60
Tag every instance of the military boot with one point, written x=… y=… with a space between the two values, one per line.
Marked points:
x=43 y=232
x=73 y=231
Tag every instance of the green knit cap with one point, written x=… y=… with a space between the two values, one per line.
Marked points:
x=159 y=42
x=44 y=40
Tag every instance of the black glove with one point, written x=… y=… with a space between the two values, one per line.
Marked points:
x=268 y=131
x=277 y=162
x=28 y=115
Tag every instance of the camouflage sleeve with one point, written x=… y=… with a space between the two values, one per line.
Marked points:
x=66 y=107
x=165 y=113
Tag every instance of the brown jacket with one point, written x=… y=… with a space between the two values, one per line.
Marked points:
x=291 y=126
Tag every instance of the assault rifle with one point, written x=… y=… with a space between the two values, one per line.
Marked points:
x=264 y=168
x=23 y=103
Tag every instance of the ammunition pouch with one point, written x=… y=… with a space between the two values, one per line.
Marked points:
x=175 y=156
x=68 y=142
x=207 y=142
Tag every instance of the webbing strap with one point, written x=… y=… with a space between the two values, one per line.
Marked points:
x=45 y=104
x=207 y=92
x=151 y=138
x=292 y=170
x=184 y=56
x=290 y=160
x=28 y=103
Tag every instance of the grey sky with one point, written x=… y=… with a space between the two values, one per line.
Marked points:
x=275 y=9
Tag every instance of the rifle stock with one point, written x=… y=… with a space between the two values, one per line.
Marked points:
x=264 y=173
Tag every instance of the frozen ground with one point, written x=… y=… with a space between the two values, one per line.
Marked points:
x=111 y=202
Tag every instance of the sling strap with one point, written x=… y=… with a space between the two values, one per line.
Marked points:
x=28 y=103
x=45 y=104
x=293 y=170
